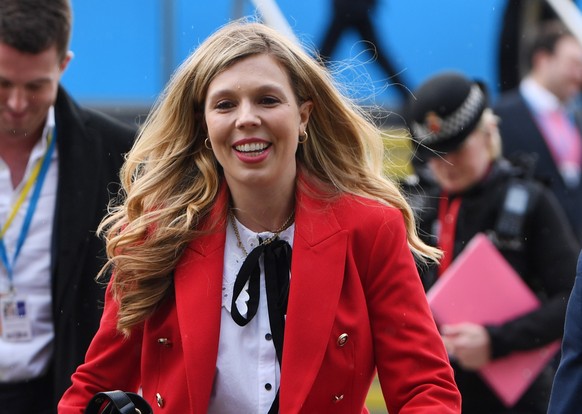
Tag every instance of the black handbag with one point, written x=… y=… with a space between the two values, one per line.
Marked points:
x=118 y=402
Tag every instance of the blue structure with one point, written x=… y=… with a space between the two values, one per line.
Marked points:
x=126 y=50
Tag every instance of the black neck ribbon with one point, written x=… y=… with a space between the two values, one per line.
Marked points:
x=277 y=260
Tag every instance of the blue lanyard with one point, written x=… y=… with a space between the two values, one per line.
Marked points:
x=29 y=212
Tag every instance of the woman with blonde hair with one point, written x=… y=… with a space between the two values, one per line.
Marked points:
x=261 y=262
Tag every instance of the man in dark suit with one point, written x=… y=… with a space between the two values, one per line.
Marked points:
x=538 y=127
x=566 y=395
x=58 y=166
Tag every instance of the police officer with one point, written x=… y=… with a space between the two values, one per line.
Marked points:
x=478 y=191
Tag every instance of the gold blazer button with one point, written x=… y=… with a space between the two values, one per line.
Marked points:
x=160 y=400
x=342 y=339
x=164 y=342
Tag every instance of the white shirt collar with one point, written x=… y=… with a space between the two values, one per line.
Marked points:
x=41 y=146
x=48 y=126
x=539 y=98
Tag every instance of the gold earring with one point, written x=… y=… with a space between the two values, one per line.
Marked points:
x=207 y=144
x=305 y=137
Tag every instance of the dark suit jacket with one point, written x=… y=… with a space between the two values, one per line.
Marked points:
x=520 y=135
x=567 y=390
x=90 y=148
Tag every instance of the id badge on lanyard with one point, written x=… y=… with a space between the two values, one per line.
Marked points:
x=15 y=322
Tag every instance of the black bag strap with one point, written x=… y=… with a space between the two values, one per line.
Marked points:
x=118 y=402
x=520 y=197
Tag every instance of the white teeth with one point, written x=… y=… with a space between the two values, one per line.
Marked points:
x=252 y=147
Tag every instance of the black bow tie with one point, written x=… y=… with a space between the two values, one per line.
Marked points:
x=277 y=259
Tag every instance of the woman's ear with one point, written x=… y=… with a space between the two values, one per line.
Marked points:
x=304 y=112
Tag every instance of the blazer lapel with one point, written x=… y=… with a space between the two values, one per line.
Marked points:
x=76 y=206
x=545 y=164
x=313 y=300
x=198 y=286
x=313 y=297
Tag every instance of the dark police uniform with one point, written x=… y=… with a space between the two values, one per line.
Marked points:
x=534 y=235
x=544 y=256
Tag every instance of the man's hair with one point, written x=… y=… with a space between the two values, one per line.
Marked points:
x=33 y=26
x=547 y=36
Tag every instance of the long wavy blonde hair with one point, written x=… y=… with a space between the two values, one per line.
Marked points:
x=170 y=180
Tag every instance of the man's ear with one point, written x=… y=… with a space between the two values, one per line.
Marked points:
x=65 y=62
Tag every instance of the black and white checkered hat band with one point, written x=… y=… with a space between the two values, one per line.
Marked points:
x=455 y=122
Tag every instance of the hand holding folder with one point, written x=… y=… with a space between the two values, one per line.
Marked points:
x=481 y=287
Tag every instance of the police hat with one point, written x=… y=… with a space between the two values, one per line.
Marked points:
x=444 y=111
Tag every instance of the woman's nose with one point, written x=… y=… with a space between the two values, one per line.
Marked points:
x=247 y=116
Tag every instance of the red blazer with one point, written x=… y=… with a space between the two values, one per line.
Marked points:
x=356 y=303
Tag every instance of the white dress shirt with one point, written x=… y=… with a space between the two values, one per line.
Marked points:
x=24 y=360
x=247 y=371
x=539 y=98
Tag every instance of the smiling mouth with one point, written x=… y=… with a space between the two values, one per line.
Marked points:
x=252 y=149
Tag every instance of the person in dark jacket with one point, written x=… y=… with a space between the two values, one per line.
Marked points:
x=457 y=135
x=566 y=397
x=357 y=15
x=59 y=164
x=539 y=121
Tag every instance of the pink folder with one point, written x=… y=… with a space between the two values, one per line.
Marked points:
x=481 y=287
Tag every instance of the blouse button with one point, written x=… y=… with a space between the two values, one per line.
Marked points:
x=342 y=339
x=268 y=337
x=268 y=386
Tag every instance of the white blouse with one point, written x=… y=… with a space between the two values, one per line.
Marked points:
x=247 y=371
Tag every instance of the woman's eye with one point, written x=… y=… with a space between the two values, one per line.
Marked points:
x=269 y=100
x=224 y=105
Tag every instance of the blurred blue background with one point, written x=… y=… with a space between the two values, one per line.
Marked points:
x=126 y=50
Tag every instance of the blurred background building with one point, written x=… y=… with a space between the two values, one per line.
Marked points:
x=125 y=51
